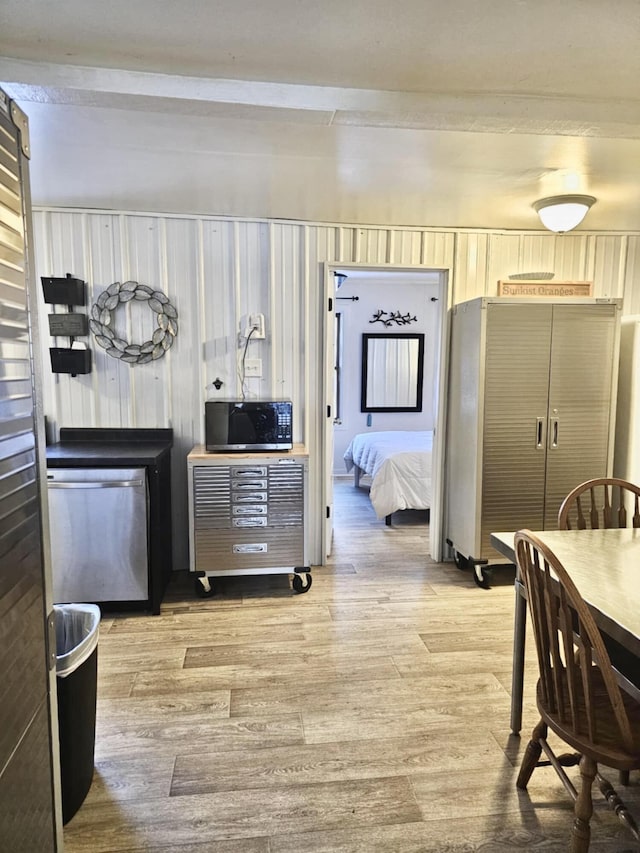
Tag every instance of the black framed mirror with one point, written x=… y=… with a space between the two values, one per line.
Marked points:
x=392 y=372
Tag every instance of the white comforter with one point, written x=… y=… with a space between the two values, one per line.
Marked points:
x=399 y=463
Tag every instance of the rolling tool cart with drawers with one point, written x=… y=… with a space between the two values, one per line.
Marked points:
x=247 y=515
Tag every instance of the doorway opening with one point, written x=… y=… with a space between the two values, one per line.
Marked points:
x=393 y=307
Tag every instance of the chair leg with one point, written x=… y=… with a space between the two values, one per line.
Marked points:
x=612 y=798
x=531 y=755
x=583 y=808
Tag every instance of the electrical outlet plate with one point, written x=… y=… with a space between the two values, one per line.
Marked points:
x=256 y=321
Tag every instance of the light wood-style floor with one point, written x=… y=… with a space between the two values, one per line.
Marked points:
x=369 y=715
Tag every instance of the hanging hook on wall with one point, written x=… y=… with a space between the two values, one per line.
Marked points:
x=340 y=279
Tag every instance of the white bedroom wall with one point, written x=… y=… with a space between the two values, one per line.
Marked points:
x=216 y=270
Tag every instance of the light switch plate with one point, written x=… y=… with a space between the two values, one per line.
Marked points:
x=253 y=367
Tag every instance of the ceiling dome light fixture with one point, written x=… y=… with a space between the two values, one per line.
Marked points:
x=562 y=213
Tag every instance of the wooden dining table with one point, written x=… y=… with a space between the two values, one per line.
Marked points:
x=605 y=567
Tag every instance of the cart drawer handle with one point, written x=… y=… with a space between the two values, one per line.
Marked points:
x=253 y=548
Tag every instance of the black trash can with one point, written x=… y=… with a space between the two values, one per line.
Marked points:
x=76 y=680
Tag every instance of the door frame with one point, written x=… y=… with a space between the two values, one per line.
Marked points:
x=436 y=523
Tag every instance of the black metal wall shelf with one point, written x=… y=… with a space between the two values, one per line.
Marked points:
x=67 y=291
x=63 y=291
x=71 y=325
x=69 y=360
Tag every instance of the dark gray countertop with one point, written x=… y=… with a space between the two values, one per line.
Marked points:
x=97 y=447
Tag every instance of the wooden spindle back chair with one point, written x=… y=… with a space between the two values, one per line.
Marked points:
x=604 y=502
x=577 y=694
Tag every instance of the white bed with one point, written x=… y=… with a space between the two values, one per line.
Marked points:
x=399 y=464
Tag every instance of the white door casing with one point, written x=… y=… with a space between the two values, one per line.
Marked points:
x=440 y=377
x=328 y=407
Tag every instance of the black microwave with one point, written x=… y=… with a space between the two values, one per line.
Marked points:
x=248 y=425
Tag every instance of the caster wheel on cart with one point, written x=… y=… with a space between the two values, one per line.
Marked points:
x=481 y=577
x=204 y=588
x=299 y=585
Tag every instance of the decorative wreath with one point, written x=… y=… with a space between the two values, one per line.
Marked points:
x=102 y=316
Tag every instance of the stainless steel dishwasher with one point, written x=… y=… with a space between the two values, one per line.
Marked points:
x=99 y=539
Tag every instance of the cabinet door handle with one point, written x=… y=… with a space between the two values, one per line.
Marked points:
x=94 y=484
x=553 y=432
x=540 y=433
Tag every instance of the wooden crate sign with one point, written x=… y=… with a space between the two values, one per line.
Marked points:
x=555 y=289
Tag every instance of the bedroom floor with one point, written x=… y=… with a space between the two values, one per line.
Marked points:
x=369 y=715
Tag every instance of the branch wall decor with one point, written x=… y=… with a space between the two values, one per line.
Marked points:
x=389 y=318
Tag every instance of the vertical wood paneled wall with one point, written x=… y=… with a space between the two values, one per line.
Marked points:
x=218 y=271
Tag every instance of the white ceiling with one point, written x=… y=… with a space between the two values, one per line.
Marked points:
x=419 y=112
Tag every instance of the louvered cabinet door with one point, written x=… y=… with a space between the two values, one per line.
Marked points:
x=516 y=388
x=27 y=822
x=581 y=399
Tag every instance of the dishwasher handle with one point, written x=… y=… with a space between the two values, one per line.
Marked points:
x=93 y=484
